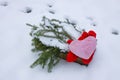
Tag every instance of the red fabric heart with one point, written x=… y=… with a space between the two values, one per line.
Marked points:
x=71 y=57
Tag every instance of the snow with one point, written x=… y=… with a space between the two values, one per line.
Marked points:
x=55 y=43
x=103 y=16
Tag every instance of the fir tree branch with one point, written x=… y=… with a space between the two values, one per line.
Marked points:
x=49 y=55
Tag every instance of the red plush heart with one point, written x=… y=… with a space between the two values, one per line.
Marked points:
x=83 y=48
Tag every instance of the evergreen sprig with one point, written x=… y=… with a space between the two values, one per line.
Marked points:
x=49 y=55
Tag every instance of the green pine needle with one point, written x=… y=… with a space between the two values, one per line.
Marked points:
x=49 y=55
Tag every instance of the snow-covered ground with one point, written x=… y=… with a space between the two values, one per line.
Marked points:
x=103 y=16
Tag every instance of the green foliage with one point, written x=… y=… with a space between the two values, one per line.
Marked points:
x=49 y=55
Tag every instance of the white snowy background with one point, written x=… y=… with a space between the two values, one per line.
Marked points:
x=103 y=16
